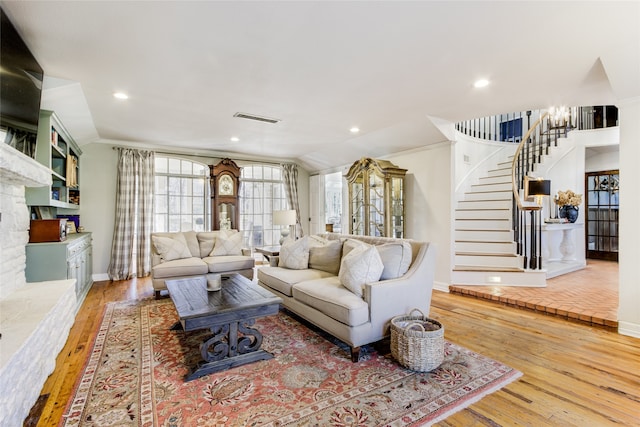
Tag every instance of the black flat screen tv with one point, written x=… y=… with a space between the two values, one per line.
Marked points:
x=21 y=80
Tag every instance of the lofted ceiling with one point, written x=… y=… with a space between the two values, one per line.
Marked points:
x=394 y=69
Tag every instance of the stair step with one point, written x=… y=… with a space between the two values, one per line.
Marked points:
x=489 y=261
x=477 y=268
x=503 y=186
x=483 y=224
x=502 y=277
x=485 y=204
x=485 y=247
x=488 y=195
x=483 y=214
x=500 y=171
x=498 y=179
x=484 y=235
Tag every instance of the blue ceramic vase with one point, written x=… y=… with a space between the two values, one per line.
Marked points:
x=569 y=212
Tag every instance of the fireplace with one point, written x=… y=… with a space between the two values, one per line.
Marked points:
x=35 y=318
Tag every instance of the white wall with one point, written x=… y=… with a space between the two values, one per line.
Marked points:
x=429 y=201
x=98 y=167
x=629 y=288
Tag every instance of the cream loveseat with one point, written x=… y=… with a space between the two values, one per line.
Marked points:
x=186 y=254
x=351 y=286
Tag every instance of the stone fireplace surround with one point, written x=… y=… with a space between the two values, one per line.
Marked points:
x=35 y=318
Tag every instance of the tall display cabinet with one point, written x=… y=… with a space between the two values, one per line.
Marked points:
x=376 y=198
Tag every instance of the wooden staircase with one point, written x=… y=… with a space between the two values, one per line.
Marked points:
x=485 y=250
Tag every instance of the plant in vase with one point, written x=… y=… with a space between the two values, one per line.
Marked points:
x=568 y=201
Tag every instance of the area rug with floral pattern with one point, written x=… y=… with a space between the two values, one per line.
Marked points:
x=136 y=369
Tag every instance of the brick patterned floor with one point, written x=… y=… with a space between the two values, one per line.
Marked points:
x=589 y=295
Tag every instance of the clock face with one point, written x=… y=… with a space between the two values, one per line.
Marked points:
x=225 y=186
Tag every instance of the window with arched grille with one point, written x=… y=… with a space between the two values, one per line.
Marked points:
x=181 y=196
x=261 y=193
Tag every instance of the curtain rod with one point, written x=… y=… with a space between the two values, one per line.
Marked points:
x=115 y=147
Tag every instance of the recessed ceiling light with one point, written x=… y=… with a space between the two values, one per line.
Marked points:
x=481 y=83
x=120 y=95
x=354 y=129
x=235 y=139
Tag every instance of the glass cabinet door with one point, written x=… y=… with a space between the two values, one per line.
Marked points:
x=376 y=192
x=356 y=192
x=397 y=207
x=376 y=205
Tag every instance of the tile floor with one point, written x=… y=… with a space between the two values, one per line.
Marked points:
x=589 y=295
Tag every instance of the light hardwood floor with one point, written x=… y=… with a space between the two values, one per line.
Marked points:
x=574 y=374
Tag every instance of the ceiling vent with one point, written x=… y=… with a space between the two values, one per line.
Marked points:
x=258 y=118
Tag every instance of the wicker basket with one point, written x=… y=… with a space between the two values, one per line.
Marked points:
x=417 y=342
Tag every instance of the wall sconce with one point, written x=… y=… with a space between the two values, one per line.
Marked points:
x=287 y=218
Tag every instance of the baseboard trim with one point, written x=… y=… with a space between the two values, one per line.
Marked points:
x=628 y=328
x=441 y=286
x=100 y=277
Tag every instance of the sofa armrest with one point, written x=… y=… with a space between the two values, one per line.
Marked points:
x=247 y=252
x=394 y=297
x=155 y=259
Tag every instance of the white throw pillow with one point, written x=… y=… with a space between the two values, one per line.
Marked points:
x=361 y=265
x=396 y=258
x=171 y=248
x=294 y=254
x=227 y=244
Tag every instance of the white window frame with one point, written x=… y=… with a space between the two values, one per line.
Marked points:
x=261 y=192
x=177 y=180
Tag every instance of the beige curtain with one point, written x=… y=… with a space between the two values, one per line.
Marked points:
x=134 y=214
x=290 y=175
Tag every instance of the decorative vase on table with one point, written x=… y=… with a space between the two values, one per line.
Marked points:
x=569 y=212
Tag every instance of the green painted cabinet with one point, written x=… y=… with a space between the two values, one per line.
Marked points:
x=71 y=259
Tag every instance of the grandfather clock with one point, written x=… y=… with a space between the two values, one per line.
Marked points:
x=225 y=185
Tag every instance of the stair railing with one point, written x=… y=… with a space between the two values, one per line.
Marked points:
x=536 y=142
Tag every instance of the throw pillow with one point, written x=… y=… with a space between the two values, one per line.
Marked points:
x=227 y=244
x=396 y=258
x=325 y=256
x=294 y=254
x=361 y=265
x=170 y=248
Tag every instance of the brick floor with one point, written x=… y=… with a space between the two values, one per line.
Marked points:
x=589 y=295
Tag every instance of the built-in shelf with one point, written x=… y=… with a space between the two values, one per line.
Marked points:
x=56 y=150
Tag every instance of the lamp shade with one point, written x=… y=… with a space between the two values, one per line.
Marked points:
x=284 y=217
x=539 y=187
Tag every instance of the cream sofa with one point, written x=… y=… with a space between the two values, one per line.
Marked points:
x=186 y=254
x=354 y=307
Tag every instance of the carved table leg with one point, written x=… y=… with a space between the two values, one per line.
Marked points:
x=226 y=350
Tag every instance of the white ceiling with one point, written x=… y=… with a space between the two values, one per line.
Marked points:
x=388 y=67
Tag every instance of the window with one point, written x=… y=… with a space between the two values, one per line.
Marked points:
x=333 y=201
x=261 y=193
x=181 y=195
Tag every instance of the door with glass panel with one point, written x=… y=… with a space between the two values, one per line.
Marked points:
x=603 y=203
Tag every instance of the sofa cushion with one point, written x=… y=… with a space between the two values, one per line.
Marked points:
x=221 y=264
x=325 y=254
x=206 y=240
x=294 y=254
x=282 y=279
x=227 y=244
x=180 y=267
x=361 y=265
x=331 y=298
x=396 y=258
x=171 y=248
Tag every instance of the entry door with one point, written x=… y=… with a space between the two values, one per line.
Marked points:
x=602 y=214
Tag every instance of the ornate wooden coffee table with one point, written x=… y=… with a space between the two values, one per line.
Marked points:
x=229 y=313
